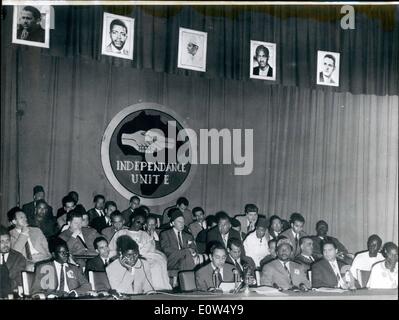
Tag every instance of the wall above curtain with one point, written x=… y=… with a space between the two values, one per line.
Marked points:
x=369 y=53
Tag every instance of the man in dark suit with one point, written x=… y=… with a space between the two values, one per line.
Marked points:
x=201 y=237
x=321 y=237
x=178 y=245
x=222 y=232
x=297 y=221
x=99 y=262
x=68 y=204
x=127 y=214
x=29 y=208
x=275 y=226
x=181 y=204
x=29 y=27
x=100 y=223
x=58 y=276
x=98 y=210
x=283 y=272
x=44 y=221
x=327 y=271
x=12 y=262
x=262 y=57
x=79 y=240
x=210 y=276
x=243 y=264
x=306 y=257
x=272 y=243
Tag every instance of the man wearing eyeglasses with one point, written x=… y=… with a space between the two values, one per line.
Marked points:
x=59 y=277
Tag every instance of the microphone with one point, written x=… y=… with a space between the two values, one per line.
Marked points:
x=277 y=287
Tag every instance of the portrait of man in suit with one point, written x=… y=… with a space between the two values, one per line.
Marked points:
x=210 y=276
x=58 y=276
x=328 y=68
x=192 y=49
x=283 y=272
x=118 y=34
x=263 y=60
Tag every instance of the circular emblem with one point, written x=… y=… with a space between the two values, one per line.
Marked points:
x=144 y=152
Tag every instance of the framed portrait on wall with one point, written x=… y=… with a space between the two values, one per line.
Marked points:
x=263 y=60
x=328 y=68
x=31 y=26
x=192 y=50
x=118 y=36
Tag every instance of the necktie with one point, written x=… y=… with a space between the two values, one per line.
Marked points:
x=24 y=34
x=28 y=252
x=106 y=262
x=288 y=271
x=3 y=258
x=296 y=242
x=62 y=278
x=219 y=277
x=81 y=240
x=180 y=240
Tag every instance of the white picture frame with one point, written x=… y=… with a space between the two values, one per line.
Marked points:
x=328 y=63
x=258 y=52
x=120 y=43
x=36 y=32
x=192 y=49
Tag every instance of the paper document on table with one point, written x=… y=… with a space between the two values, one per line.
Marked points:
x=227 y=286
x=332 y=290
x=267 y=290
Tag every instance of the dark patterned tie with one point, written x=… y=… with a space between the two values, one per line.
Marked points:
x=62 y=278
x=3 y=258
x=219 y=277
x=180 y=240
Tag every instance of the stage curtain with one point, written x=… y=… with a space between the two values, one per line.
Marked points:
x=369 y=53
x=326 y=154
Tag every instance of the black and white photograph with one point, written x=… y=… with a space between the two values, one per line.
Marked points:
x=263 y=60
x=202 y=166
x=31 y=26
x=192 y=49
x=328 y=68
x=118 y=36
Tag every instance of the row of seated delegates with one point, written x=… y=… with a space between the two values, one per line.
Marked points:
x=12 y=263
x=27 y=240
x=156 y=259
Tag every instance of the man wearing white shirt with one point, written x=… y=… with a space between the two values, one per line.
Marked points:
x=365 y=260
x=256 y=243
x=104 y=221
x=384 y=274
x=327 y=271
x=98 y=210
x=297 y=222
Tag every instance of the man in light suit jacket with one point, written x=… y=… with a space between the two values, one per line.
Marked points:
x=248 y=221
x=212 y=274
x=178 y=245
x=283 y=272
x=297 y=221
x=223 y=232
x=29 y=241
x=118 y=223
x=58 y=276
x=327 y=271
x=30 y=207
x=79 y=240
x=12 y=262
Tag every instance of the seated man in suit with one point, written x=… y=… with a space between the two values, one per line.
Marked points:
x=283 y=272
x=243 y=264
x=117 y=223
x=79 y=207
x=127 y=214
x=181 y=204
x=79 y=240
x=210 y=276
x=223 y=232
x=29 y=208
x=29 y=241
x=201 y=237
x=178 y=245
x=321 y=237
x=248 y=221
x=199 y=222
x=297 y=221
x=365 y=260
x=102 y=222
x=59 y=277
x=129 y=273
x=68 y=204
x=272 y=253
x=384 y=274
x=152 y=230
x=43 y=220
x=306 y=257
x=11 y=261
x=236 y=225
x=275 y=226
x=100 y=262
x=98 y=210
x=255 y=244
x=327 y=271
